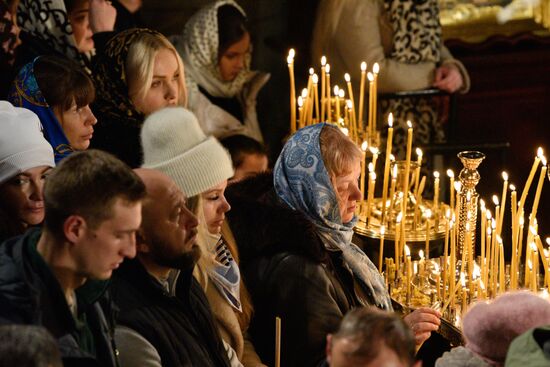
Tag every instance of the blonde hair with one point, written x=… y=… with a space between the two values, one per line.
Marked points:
x=140 y=63
x=339 y=152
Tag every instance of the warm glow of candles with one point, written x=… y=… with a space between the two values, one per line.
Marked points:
x=530 y=179
x=323 y=87
x=315 y=79
x=428 y=215
x=451 y=176
x=328 y=91
x=405 y=187
x=436 y=193
x=370 y=190
x=387 y=166
x=290 y=61
x=374 y=151
x=370 y=128
x=364 y=147
x=398 y=220
x=375 y=71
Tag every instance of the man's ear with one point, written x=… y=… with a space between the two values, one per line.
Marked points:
x=328 y=348
x=74 y=228
x=141 y=241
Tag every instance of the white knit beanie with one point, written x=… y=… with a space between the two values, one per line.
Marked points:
x=22 y=144
x=174 y=143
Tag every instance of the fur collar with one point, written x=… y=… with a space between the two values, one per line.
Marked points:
x=263 y=226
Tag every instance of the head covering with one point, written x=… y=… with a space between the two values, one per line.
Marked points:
x=199 y=50
x=112 y=102
x=302 y=182
x=489 y=328
x=26 y=93
x=48 y=21
x=531 y=348
x=418 y=18
x=174 y=143
x=8 y=39
x=22 y=145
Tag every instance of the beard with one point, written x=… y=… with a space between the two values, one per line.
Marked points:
x=164 y=255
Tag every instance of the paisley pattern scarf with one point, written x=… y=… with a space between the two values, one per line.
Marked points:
x=302 y=182
x=26 y=93
x=198 y=47
x=48 y=21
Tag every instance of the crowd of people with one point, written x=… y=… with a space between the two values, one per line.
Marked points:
x=140 y=224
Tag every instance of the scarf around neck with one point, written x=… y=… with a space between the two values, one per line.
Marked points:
x=198 y=48
x=302 y=182
x=26 y=93
x=416 y=30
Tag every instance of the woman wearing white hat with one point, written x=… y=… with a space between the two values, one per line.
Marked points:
x=25 y=160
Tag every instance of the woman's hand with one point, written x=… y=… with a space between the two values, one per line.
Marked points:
x=448 y=78
x=102 y=16
x=423 y=321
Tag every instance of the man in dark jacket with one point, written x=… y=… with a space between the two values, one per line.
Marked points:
x=164 y=313
x=56 y=277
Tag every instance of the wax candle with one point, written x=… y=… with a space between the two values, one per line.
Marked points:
x=397 y=239
x=446 y=254
x=370 y=128
x=323 y=86
x=375 y=71
x=544 y=258
x=362 y=183
x=417 y=173
x=409 y=271
x=436 y=193
x=407 y=171
x=392 y=186
x=387 y=166
x=539 y=189
x=503 y=200
x=451 y=176
x=421 y=263
x=501 y=268
x=337 y=99
x=362 y=94
x=497 y=212
x=530 y=178
x=316 y=96
x=381 y=252
x=350 y=93
x=535 y=260
x=428 y=216
x=328 y=96
x=370 y=193
x=374 y=151
x=290 y=61
x=300 y=111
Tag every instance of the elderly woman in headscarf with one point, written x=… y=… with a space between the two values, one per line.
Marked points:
x=294 y=232
x=216 y=51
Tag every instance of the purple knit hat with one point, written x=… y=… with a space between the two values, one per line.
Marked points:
x=489 y=328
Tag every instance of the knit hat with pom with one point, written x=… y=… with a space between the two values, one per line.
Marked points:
x=489 y=328
x=22 y=144
x=174 y=143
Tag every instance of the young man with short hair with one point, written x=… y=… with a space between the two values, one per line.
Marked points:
x=56 y=277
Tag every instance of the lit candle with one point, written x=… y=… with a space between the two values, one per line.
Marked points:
x=530 y=178
x=328 y=96
x=337 y=99
x=446 y=252
x=452 y=266
x=387 y=166
x=538 y=243
x=428 y=215
x=539 y=190
x=309 y=101
x=323 y=86
x=374 y=151
x=535 y=260
x=392 y=186
x=316 y=96
x=503 y=200
x=397 y=239
x=362 y=94
x=350 y=93
x=502 y=269
x=513 y=263
x=407 y=167
x=381 y=252
x=497 y=211
x=300 y=111
x=290 y=61
x=370 y=190
x=375 y=70
x=436 y=193
x=341 y=97
x=421 y=263
x=409 y=271
x=451 y=176
x=417 y=173
x=370 y=128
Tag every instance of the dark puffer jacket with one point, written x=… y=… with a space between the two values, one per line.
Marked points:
x=288 y=273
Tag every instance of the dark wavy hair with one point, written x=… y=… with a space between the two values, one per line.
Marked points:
x=231 y=27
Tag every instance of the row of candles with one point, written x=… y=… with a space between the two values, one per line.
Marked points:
x=314 y=106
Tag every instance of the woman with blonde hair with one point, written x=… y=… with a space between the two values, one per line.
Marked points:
x=139 y=73
x=294 y=230
x=174 y=143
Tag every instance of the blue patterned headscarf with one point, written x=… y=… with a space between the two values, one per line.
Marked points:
x=303 y=183
x=26 y=93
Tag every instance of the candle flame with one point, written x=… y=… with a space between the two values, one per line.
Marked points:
x=336 y=89
x=341 y=93
x=533 y=230
x=407 y=251
x=370 y=77
x=436 y=268
x=521 y=220
x=394 y=172
x=323 y=60
x=371 y=167
x=399 y=217
x=374 y=150
x=382 y=231
x=349 y=104
x=327 y=69
x=289 y=60
x=300 y=101
x=482 y=204
x=468 y=227
x=543 y=160
x=436 y=174
x=488 y=214
x=421 y=254
x=463 y=279
x=458 y=186
x=530 y=264
x=546 y=252
x=428 y=213
x=493 y=224
x=489 y=231
x=311 y=71
x=315 y=79
x=448 y=213
x=533 y=246
x=512 y=187
x=372 y=176
x=419 y=152
x=504 y=176
x=450 y=173
x=392 y=158
x=548 y=240
x=390 y=119
x=363 y=66
x=476 y=273
x=291 y=53
x=364 y=146
x=409 y=124
x=495 y=200
x=540 y=152
x=499 y=239
x=481 y=284
x=376 y=68
x=347 y=77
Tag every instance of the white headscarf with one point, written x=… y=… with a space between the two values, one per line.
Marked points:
x=199 y=50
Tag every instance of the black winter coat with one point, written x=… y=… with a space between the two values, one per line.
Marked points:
x=30 y=297
x=288 y=273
